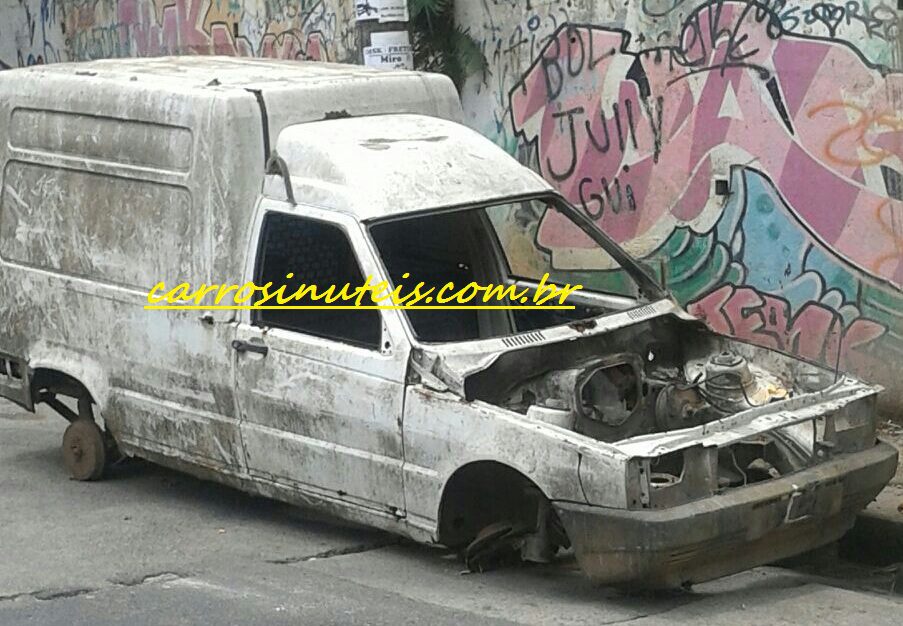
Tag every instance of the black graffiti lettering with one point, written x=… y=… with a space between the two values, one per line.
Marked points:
x=716 y=31
x=699 y=42
x=888 y=23
x=692 y=39
x=878 y=21
x=593 y=197
x=616 y=116
x=660 y=8
x=572 y=165
x=709 y=26
x=580 y=55
x=628 y=106
x=852 y=9
x=618 y=201
x=830 y=15
x=735 y=41
x=592 y=137
x=615 y=198
x=789 y=19
x=516 y=39
x=607 y=191
x=594 y=60
x=771 y=11
x=655 y=115
x=808 y=17
x=871 y=25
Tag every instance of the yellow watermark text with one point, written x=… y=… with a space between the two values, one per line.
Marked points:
x=370 y=295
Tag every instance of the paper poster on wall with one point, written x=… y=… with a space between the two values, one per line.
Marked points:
x=366 y=10
x=382 y=10
x=390 y=38
x=390 y=50
x=389 y=57
x=393 y=11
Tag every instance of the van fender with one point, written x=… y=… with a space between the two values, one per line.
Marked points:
x=79 y=366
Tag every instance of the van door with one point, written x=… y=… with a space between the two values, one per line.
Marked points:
x=320 y=390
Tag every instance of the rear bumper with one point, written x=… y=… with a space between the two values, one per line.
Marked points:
x=731 y=532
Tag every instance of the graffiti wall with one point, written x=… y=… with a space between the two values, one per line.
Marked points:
x=750 y=151
x=43 y=31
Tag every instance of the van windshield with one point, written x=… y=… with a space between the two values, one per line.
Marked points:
x=512 y=247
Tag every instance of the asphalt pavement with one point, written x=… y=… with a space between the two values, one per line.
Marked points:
x=152 y=546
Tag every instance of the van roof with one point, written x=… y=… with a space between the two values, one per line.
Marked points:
x=390 y=165
x=164 y=89
x=211 y=71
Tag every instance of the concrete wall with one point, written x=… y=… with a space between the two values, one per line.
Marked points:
x=635 y=109
x=44 y=31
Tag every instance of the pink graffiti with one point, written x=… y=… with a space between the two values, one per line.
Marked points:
x=816 y=332
x=636 y=139
x=185 y=27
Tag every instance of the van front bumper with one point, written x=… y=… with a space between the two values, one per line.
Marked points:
x=729 y=532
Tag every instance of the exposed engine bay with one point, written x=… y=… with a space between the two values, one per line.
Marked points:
x=663 y=376
x=613 y=397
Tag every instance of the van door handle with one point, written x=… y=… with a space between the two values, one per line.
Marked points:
x=246 y=346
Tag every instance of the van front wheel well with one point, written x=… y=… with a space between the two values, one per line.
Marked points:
x=484 y=494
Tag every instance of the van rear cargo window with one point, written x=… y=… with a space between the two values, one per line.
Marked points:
x=296 y=251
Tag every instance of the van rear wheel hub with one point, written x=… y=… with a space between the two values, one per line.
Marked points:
x=84 y=450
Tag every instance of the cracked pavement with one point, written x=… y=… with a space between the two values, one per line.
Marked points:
x=151 y=546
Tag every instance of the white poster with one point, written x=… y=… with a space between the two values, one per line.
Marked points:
x=393 y=10
x=389 y=57
x=390 y=38
x=382 y=10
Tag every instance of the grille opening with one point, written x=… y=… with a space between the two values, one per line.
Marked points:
x=751 y=461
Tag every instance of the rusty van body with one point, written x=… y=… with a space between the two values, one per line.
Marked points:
x=661 y=453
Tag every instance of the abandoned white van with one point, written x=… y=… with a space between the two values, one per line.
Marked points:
x=660 y=453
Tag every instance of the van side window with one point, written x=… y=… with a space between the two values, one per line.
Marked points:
x=319 y=254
